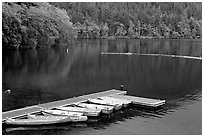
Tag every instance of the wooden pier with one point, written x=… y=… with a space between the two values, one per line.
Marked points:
x=111 y=93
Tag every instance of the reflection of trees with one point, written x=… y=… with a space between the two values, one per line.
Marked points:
x=168 y=77
x=58 y=74
x=136 y=71
x=43 y=71
x=31 y=74
x=48 y=65
x=170 y=47
x=35 y=65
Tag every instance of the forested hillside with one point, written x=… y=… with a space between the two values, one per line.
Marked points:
x=136 y=20
x=31 y=24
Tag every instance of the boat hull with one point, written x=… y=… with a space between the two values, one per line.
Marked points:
x=85 y=111
x=104 y=109
x=125 y=103
x=45 y=120
x=116 y=105
x=78 y=119
x=74 y=116
x=61 y=113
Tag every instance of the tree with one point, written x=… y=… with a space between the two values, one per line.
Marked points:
x=131 y=30
x=104 y=31
x=33 y=25
x=120 y=32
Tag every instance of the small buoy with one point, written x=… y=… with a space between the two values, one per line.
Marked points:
x=67 y=50
x=8 y=91
x=121 y=87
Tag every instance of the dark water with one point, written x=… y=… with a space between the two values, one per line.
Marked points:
x=44 y=75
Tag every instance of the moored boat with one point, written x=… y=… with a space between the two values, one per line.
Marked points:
x=117 y=105
x=104 y=108
x=78 y=118
x=38 y=120
x=85 y=111
x=61 y=113
x=74 y=116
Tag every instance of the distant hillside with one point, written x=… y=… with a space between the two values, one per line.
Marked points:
x=136 y=19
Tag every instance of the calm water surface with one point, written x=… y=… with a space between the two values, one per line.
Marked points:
x=44 y=75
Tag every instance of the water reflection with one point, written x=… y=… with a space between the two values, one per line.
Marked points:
x=44 y=75
x=169 y=47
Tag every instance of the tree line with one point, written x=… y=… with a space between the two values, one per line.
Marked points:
x=169 y=20
x=40 y=24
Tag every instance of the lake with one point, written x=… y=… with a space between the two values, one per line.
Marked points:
x=49 y=74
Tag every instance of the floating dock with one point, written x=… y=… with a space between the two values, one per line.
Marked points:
x=111 y=93
x=147 y=102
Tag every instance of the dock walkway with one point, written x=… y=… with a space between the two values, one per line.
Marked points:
x=148 y=102
x=37 y=108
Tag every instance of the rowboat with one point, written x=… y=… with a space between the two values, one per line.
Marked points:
x=61 y=113
x=117 y=105
x=85 y=111
x=74 y=116
x=38 y=120
x=104 y=108
x=126 y=103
